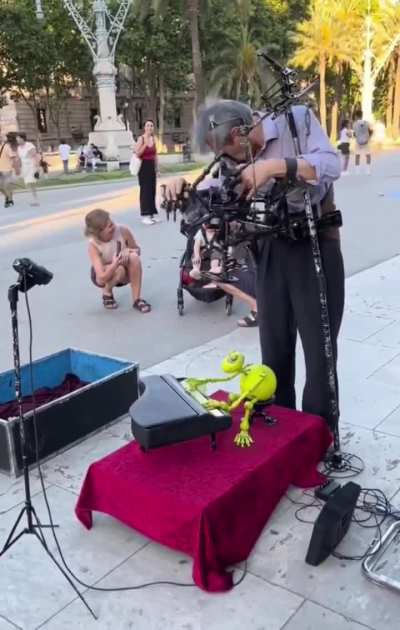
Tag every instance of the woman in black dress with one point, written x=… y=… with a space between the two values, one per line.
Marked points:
x=147 y=152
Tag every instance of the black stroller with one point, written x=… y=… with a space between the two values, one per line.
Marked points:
x=196 y=287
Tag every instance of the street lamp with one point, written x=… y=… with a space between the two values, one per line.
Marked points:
x=39 y=10
x=109 y=133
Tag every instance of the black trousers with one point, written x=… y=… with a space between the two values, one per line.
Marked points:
x=288 y=301
x=147 y=183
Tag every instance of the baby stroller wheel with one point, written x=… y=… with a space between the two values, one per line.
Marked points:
x=228 y=305
x=180 y=303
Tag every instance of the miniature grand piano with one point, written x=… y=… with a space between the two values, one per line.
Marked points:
x=165 y=414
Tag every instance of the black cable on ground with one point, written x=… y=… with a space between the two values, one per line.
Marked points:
x=49 y=512
x=372 y=510
x=350 y=466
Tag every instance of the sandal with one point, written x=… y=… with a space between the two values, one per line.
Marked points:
x=250 y=321
x=109 y=303
x=142 y=306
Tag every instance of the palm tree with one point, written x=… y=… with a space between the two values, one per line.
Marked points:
x=382 y=38
x=237 y=75
x=324 y=40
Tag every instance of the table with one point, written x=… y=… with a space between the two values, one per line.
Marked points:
x=211 y=505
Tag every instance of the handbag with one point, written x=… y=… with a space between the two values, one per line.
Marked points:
x=135 y=164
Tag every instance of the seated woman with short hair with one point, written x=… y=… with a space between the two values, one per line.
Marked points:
x=115 y=258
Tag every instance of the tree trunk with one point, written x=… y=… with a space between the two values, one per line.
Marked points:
x=162 y=109
x=322 y=91
x=33 y=105
x=193 y=10
x=396 y=102
x=336 y=100
x=368 y=81
x=389 y=102
x=334 y=120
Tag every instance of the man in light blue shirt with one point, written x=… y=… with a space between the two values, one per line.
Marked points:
x=287 y=291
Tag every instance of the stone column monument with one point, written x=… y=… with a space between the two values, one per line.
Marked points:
x=109 y=134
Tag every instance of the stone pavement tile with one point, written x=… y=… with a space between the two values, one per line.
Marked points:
x=205 y=360
x=12 y=490
x=5 y=625
x=366 y=403
x=254 y=604
x=389 y=336
x=388 y=373
x=33 y=589
x=391 y=424
x=359 y=326
x=313 y=617
x=380 y=454
x=68 y=469
x=279 y=558
x=359 y=360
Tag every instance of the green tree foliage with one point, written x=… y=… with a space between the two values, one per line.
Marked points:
x=231 y=34
x=154 y=58
x=41 y=62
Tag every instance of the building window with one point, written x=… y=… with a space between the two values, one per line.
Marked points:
x=41 y=119
x=174 y=117
x=139 y=116
x=93 y=113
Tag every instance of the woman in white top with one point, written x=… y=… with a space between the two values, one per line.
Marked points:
x=344 y=144
x=115 y=258
x=29 y=160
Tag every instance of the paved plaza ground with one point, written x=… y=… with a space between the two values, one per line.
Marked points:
x=280 y=591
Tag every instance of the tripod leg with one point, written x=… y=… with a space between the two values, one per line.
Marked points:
x=65 y=574
x=9 y=540
x=38 y=526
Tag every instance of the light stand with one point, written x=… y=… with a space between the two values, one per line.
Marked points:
x=29 y=275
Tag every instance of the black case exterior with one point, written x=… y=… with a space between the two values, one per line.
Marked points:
x=69 y=419
x=333 y=523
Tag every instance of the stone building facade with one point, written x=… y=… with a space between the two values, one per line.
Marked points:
x=77 y=120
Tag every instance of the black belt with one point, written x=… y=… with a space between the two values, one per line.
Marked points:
x=295 y=226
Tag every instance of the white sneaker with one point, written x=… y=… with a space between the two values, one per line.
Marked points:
x=147 y=221
x=155 y=218
x=368 y=170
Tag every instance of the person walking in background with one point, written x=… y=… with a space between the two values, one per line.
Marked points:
x=146 y=150
x=362 y=134
x=29 y=159
x=9 y=165
x=64 y=150
x=344 y=145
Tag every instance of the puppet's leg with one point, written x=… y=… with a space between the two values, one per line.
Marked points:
x=243 y=438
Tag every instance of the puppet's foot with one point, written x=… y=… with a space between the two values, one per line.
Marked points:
x=243 y=439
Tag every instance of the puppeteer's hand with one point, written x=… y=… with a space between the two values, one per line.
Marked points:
x=174 y=188
x=256 y=175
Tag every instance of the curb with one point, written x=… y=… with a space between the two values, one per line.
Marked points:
x=132 y=178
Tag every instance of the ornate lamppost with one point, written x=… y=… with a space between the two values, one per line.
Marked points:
x=110 y=133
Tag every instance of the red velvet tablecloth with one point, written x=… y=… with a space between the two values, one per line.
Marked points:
x=211 y=505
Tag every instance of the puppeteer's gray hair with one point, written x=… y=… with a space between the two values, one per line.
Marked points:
x=215 y=122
